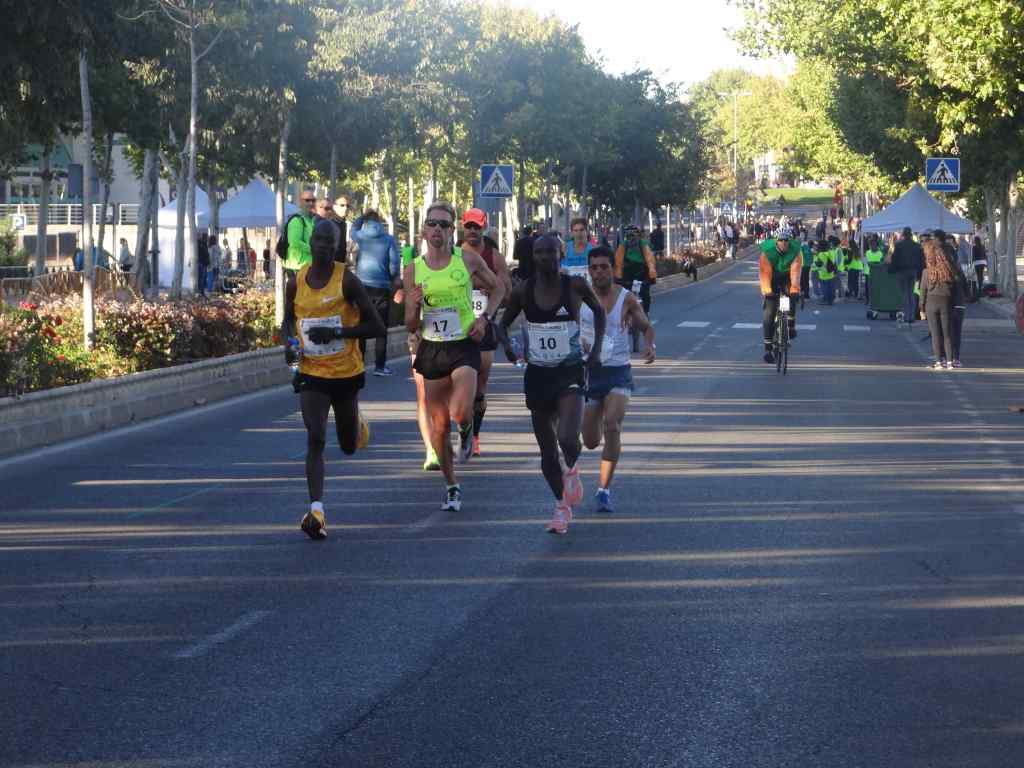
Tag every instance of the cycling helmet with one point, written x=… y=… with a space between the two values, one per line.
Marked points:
x=784 y=233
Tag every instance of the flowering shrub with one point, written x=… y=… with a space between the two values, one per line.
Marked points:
x=41 y=345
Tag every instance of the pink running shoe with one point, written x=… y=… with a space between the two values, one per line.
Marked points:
x=560 y=519
x=572 y=487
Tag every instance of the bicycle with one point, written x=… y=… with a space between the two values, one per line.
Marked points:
x=780 y=341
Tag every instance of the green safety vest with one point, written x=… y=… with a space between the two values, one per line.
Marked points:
x=840 y=258
x=855 y=264
x=821 y=264
x=874 y=257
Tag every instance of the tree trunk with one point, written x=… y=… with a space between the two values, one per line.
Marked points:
x=375 y=190
x=433 y=179
x=193 y=126
x=584 y=208
x=105 y=200
x=154 y=223
x=180 y=209
x=146 y=193
x=88 y=309
x=393 y=204
x=46 y=176
x=215 y=202
x=548 y=217
x=1012 y=221
x=412 y=213
x=334 y=172
x=521 y=202
x=282 y=184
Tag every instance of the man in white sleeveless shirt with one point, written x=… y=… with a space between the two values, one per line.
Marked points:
x=610 y=386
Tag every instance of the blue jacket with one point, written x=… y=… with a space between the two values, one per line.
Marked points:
x=377 y=264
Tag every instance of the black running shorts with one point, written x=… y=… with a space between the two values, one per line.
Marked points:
x=438 y=359
x=336 y=389
x=544 y=387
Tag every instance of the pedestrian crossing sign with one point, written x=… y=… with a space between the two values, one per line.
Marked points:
x=942 y=174
x=496 y=180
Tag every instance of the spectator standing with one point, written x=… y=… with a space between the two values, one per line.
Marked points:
x=225 y=256
x=938 y=295
x=299 y=229
x=252 y=260
x=216 y=260
x=979 y=260
x=657 y=241
x=203 y=263
x=378 y=267
x=124 y=258
x=907 y=265
x=268 y=254
x=78 y=260
x=522 y=253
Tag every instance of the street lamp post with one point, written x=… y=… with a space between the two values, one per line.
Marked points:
x=735 y=148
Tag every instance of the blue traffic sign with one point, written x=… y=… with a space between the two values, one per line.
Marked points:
x=942 y=174
x=497 y=180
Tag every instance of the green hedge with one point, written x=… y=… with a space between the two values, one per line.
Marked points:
x=41 y=344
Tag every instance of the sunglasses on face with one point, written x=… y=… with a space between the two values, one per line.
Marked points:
x=438 y=223
x=309 y=199
x=474 y=227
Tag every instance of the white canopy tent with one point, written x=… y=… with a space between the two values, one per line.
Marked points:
x=253 y=206
x=167 y=227
x=918 y=210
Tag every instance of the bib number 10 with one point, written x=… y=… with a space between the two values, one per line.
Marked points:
x=547 y=343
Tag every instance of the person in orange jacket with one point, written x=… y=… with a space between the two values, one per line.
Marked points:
x=780 y=266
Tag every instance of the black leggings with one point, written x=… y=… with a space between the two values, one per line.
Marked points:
x=771 y=304
x=939 y=310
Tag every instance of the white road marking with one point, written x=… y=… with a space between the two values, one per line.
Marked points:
x=205 y=646
x=747 y=326
x=857 y=328
x=426 y=522
x=808 y=327
x=981 y=322
x=693 y=324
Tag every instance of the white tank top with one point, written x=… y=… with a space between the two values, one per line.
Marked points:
x=615 y=350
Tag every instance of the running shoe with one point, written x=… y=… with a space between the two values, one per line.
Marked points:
x=363 y=439
x=466 y=443
x=476 y=445
x=453 y=500
x=603 y=500
x=573 y=486
x=314 y=525
x=938 y=365
x=431 y=464
x=560 y=519
x=957 y=364
x=385 y=371
x=949 y=366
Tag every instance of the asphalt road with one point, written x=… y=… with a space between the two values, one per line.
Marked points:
x=821 y=569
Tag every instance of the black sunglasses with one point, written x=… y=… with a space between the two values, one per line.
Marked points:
x=439 y=223
x=472 y=226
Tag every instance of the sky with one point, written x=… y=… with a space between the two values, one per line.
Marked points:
x=679 y=40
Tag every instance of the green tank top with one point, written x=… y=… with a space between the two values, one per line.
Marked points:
x=821 y=263
x=447 y=311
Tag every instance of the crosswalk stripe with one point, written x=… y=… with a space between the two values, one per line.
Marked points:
x=747 y=326
x=693 y=324
x=858 y=328
x=807 y=327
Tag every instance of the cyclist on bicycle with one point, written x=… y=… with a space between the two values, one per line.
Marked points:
x=635 y=264
x=780 y=265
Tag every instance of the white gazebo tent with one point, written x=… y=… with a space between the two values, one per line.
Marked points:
x=167 y=227
x=916 y=209
x=253 y=206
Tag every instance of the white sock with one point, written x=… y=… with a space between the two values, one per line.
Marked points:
x=316 y=506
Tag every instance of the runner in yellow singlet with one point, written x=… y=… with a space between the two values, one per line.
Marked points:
x=327 y=311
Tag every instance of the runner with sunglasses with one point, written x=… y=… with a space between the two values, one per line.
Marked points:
x=555 y=376
x=438 y=290
x=473 y=223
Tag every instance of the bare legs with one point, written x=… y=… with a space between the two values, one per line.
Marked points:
x=447 y=399
x=604 y=419
x=559 y=429
x=316 y=407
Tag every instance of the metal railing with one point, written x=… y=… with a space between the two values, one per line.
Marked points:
x=70 y=214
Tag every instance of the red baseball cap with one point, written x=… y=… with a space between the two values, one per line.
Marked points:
x=475 y=216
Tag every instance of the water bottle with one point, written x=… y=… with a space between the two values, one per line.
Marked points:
x=517 y=348
x=637 y=287
x=293 y=344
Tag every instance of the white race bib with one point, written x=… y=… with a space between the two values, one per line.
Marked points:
x=441 y=324
x=784 y=304
x=549 y=342
x=479 y=303
x=332 y=347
